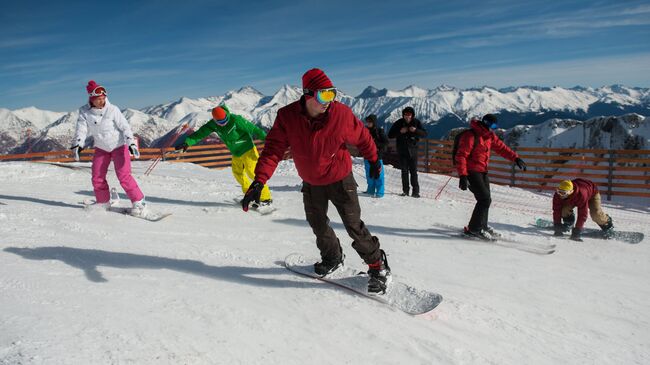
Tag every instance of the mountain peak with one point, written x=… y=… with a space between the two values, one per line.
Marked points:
x=372 y=92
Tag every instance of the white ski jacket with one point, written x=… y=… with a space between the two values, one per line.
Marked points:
x=108 y=126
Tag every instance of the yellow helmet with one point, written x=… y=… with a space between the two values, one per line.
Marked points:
x=565 y=188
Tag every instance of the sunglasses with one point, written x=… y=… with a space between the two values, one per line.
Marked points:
x=564 y=193
x=98 y=91
x=323 y=96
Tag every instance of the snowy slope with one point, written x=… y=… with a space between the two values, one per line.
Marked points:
x=206 y=285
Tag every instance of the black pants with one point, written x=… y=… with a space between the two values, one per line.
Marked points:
x=479 y=184
x=343 y=194
x=409 y=165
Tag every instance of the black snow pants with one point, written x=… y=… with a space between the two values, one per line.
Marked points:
x=409 y=165
x=479 y=184
x=343 y=194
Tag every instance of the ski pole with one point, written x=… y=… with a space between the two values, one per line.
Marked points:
x=442 y=188
x=162 y=153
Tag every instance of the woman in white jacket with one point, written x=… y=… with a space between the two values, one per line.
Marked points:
x=113 y=142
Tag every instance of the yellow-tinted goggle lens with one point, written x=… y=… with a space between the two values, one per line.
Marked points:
x=326 y=95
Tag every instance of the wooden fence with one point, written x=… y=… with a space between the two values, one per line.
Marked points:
x=616 y=172
x=209 y=155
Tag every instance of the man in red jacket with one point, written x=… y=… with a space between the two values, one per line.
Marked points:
x=472 y=159
x=583 y=194
x=317 y=129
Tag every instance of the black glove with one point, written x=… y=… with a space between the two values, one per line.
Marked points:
x=375 y=169
x=76 y=151
x=463 y=183
x=558 y=230
x=183 y=146
x=252 y=194
x=576 y=234
x=133 y=149
x=520 y=163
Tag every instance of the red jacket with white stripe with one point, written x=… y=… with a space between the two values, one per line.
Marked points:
x=318 y=145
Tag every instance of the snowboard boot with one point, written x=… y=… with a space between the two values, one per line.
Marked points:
x=567 y=222
x=480 y=234
x=139 y=209
x=266 y=203
x=327 y=266
x=492 y=232
x=608 y=228
x=379 y=275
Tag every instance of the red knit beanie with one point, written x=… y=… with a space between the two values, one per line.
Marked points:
x=315 y=79
x=92 y=85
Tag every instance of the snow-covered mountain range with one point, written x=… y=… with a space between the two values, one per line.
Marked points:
x=440 y=109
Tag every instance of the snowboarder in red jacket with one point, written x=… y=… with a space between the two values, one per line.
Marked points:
x=317 y=128
x=472 y=159
x=584 y=195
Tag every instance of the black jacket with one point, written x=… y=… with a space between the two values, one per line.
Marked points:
x=407 y=143
x=380 y=139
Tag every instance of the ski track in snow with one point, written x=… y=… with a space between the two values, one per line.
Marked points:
x=207 y=286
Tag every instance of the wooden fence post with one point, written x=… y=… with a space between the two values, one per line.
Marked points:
x=426 y=155
x=512 y=171
x=610 y=174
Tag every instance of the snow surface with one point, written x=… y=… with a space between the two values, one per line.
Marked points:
x=207 y=286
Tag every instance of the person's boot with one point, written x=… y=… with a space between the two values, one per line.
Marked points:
x=139 y=208
x=492 y=232
x=328 y=266
x=379 y=275
x=608 y=228
x=568 y=221
x=480 y=234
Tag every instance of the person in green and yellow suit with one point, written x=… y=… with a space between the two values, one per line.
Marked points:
x=237 y=134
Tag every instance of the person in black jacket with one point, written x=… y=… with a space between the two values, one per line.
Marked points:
x=408 y=131
x=376 y=185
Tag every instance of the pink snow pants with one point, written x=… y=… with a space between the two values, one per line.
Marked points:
x=122 y=163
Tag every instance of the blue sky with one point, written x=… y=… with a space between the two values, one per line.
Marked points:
x=151 y=52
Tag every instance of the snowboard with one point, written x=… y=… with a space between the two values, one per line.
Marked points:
x=623 y=236
x=398 y=295
x=533 y=247
x=151 y=216
x=261 y=209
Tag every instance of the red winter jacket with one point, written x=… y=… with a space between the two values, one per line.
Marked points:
x=477 y=158
x=317 y=145
x=583 y=191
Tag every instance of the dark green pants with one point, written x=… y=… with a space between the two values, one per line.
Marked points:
x=343 y=194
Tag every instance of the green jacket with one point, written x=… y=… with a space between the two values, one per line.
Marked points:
x=237 y=134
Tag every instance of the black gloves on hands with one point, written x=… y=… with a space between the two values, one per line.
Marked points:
x=558 y=230
x=252 y=194
x=76 y=151
x=463 y=183
x=375 y=169
x=183 y=146
x=520 y=163
x=576 y=234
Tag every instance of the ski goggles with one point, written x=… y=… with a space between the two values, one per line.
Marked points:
x=324 y=96
x=98 y=91
x=223 y=121
x=494 y=126
x=564 y=193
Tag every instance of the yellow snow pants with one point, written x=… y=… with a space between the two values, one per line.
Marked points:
x=243 y=168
